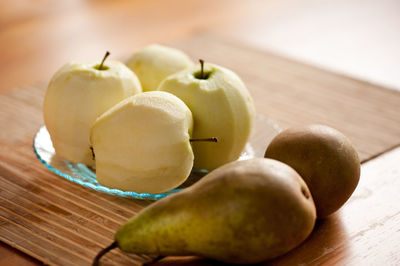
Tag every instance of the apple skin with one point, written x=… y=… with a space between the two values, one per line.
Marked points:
x=142 y=144
x=76 y=95
x=155 y=62
x=221 y=106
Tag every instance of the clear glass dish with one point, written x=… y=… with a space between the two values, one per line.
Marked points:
x=264 y=131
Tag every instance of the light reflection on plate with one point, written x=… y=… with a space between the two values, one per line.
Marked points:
x=263 y=133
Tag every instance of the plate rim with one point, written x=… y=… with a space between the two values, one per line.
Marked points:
x=117 y=192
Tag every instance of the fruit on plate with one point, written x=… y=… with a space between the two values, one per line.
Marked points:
x=243 y=212
x=325 y=158
x=77 y=94
x=142 y=144
x=155 y=62
x=221 y=107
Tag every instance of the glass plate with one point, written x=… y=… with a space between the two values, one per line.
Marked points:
x=264 y=131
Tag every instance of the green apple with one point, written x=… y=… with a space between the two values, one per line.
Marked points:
x=77 y=94
x=154 y=63
x=143 y=143
x=221 y=106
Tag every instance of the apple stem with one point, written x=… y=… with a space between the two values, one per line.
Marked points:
x=206 y=139
x=104 y=59
x=93 y=156
x=202 y=68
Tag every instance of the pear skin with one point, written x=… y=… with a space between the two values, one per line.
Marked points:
x=243 y=212
x=324 y=158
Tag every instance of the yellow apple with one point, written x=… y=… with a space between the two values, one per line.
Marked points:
x=76 y=96
x=221 y=106
x=154 y=63
x=143 y=143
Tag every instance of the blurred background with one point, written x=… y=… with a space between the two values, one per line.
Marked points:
x=356 y=38
x=359 y=38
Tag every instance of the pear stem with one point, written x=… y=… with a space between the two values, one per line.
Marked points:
x=201 y=68
x=104 y=251
x=104 y=59
x=206 y=139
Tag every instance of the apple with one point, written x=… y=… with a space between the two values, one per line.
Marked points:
x=155 y=62
x=142 y=144
x=221 y=106
x=77 y=94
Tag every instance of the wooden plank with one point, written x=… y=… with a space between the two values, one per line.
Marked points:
x=12 y=256
x=61 y=223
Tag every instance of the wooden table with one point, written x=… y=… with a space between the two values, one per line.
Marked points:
x=38 y=210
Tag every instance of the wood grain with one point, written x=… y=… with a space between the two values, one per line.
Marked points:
x=11 y=256
x=62 y=223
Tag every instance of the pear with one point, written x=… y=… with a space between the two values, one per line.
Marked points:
x=221 y=106
x=155 y=62
x=325 y=158
x=243 y=212
x=142 y=144
x=77 y=94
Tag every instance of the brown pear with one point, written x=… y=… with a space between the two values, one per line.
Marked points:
x=325 y=158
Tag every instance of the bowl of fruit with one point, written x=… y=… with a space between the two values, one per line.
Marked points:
x=148 y=127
